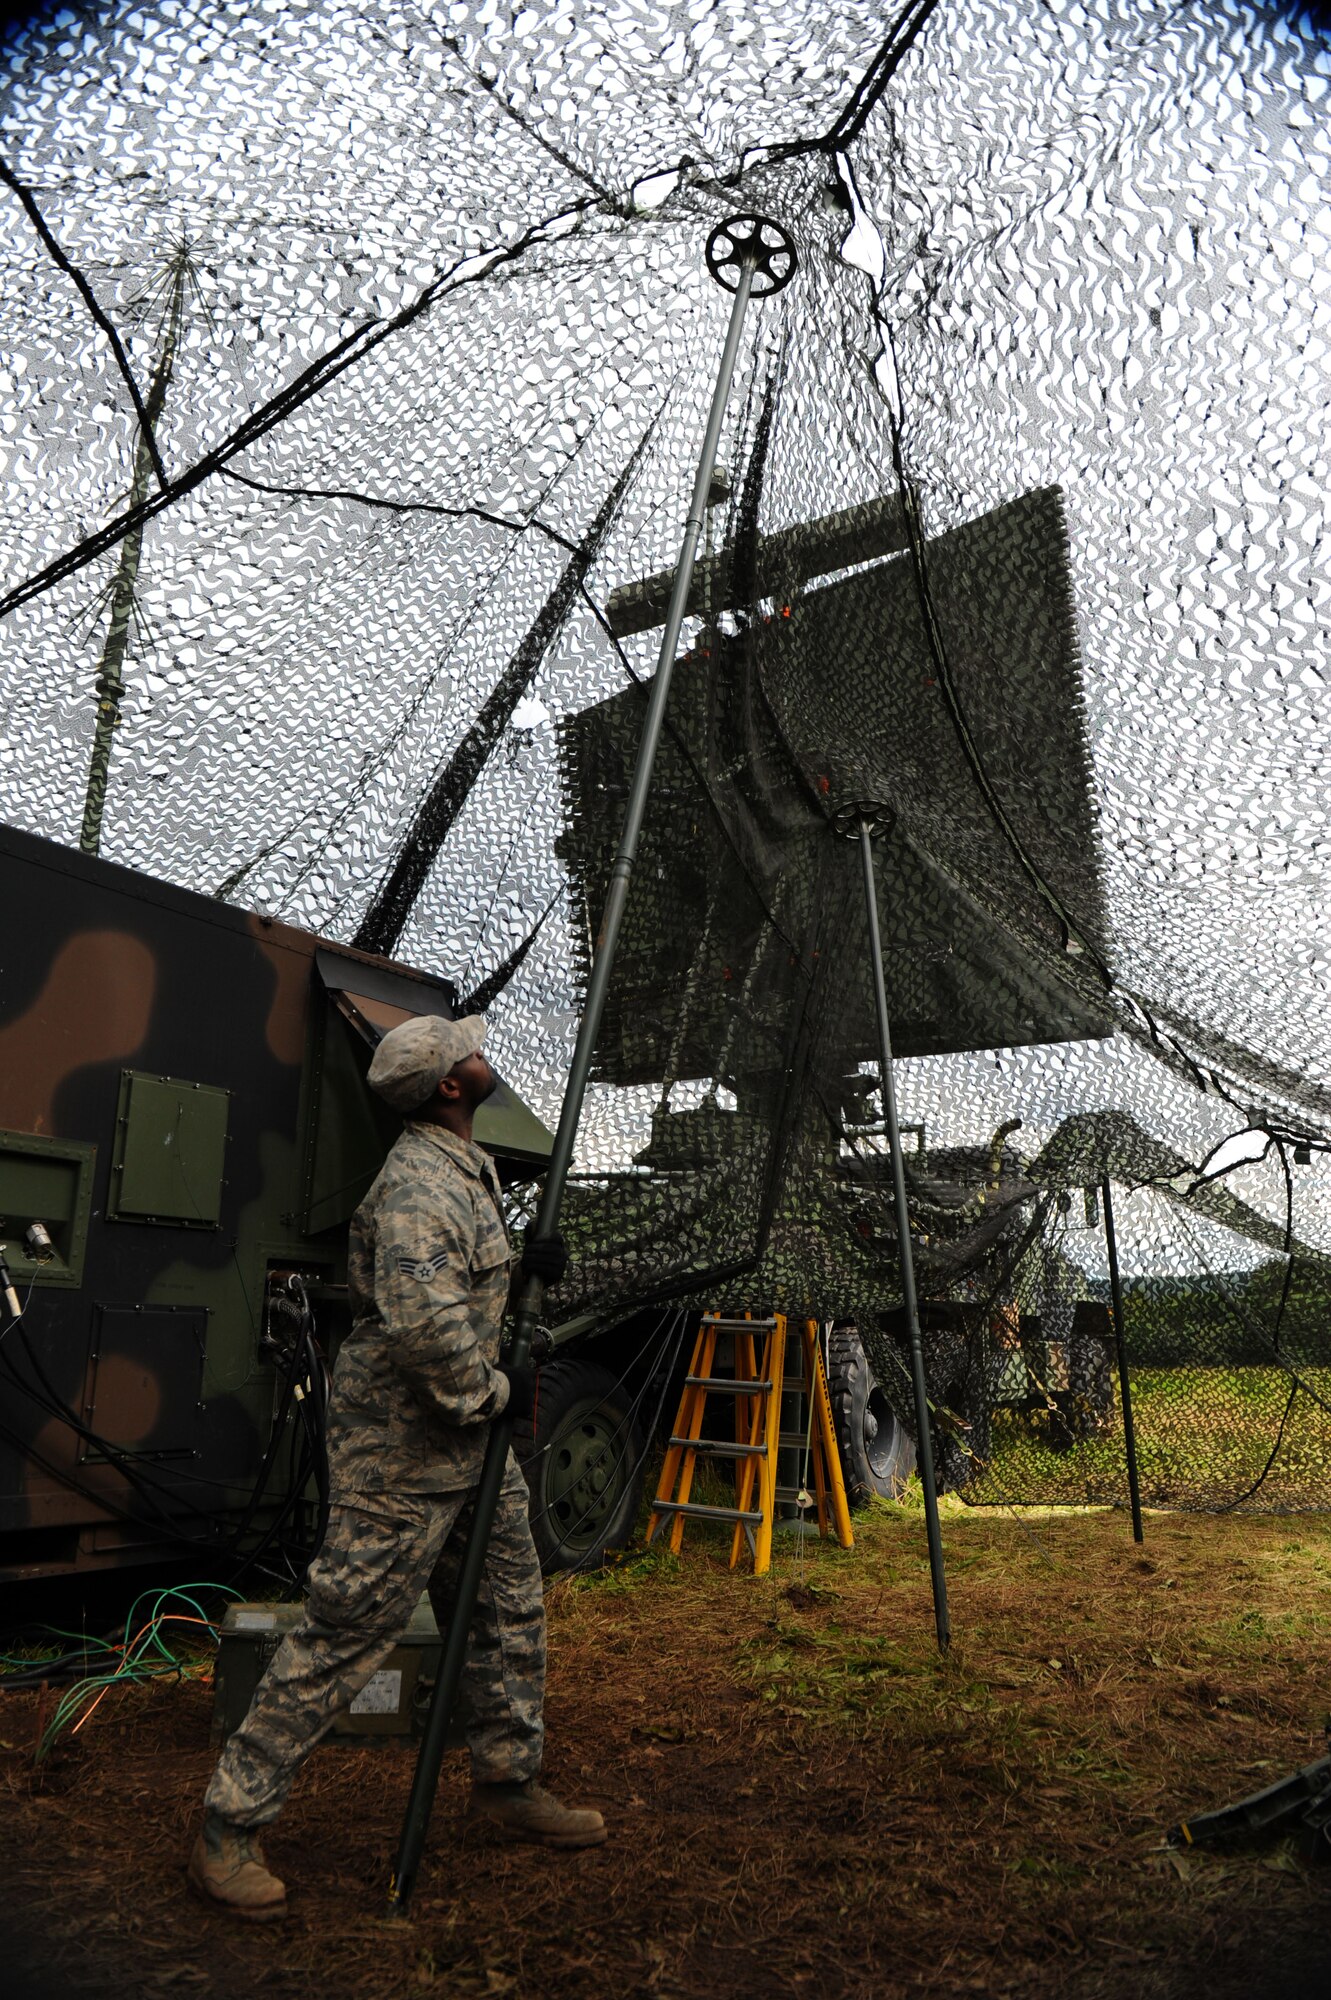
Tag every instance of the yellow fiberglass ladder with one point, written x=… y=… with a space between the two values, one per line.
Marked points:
x=757 y=1384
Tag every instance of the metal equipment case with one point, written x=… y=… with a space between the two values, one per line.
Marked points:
x=391 y=1703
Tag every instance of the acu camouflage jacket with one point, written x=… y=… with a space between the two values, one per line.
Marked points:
x=415 y=1384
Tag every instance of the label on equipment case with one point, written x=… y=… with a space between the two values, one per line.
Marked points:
x=381 y=1694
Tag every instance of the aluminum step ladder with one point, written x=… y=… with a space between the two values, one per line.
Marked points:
x=756 y=1386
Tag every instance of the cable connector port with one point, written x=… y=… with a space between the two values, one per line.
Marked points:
x=37 y=1242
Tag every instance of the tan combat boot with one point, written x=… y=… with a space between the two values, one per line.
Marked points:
x=227 y=1866
x=528 y=1812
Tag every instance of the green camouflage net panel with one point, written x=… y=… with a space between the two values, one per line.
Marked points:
x=358 y=359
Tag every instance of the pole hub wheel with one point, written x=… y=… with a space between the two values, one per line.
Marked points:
x=849 y=818
x=757 y=241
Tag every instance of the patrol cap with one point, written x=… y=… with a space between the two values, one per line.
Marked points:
x=411 y=1058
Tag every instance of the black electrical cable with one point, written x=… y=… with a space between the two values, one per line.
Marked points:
x=123 y=1462
x=275 y=1437
x=1228 y=1506
x=164 y=1525
x=160 y=1524
x=319 y=1387
x=18 y=1317
x=137 y=1475
x=1297 y=1382
x=310 y=1445
x=53 y=1402
x=294 y=1494
x=313 y=1409
x=302 y=1470
x=312 y=1459
x=197 y=1544
x=292 y=1501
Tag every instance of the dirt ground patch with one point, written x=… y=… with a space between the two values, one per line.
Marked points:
x=802 y=1796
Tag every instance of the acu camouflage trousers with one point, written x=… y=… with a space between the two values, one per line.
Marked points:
x=381 y=1551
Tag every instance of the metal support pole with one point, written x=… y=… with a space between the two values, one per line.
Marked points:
x=110 y=683
x=444 y=1697
x=1124 y=1387
x=937 y=1575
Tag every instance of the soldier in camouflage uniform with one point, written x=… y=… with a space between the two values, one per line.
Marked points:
x=415 y=1387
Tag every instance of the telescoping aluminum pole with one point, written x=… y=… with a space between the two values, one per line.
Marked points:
x=867 y=820
x=749 y=256
x=1124 y=1386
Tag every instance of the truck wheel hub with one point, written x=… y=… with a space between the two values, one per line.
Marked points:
x=582 y=1483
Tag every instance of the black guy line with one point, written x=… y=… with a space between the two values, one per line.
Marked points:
x=89 y=297
x=308 y=384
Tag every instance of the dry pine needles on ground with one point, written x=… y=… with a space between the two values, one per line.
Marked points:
x=803 y=1797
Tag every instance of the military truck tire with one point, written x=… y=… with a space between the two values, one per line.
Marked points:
x=877 y=1454
x=582 y=1458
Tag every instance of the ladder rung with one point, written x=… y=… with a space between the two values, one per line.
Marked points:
x=798 y=1439
x=741 y=1325
x=793 y=1493
x=697 y=1512
x=712 y=1448
x=724 y=1383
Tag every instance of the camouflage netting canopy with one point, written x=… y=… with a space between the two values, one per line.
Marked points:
x=356 y=357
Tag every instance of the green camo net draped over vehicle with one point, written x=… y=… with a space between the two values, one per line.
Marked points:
x=359 y=358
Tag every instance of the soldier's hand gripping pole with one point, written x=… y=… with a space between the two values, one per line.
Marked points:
x=924 y=1449
x=747 y=255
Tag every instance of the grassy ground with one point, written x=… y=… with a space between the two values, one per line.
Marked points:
x=1204 y=1436
x=803 y=1797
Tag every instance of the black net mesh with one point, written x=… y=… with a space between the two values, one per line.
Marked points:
x=359 y=362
